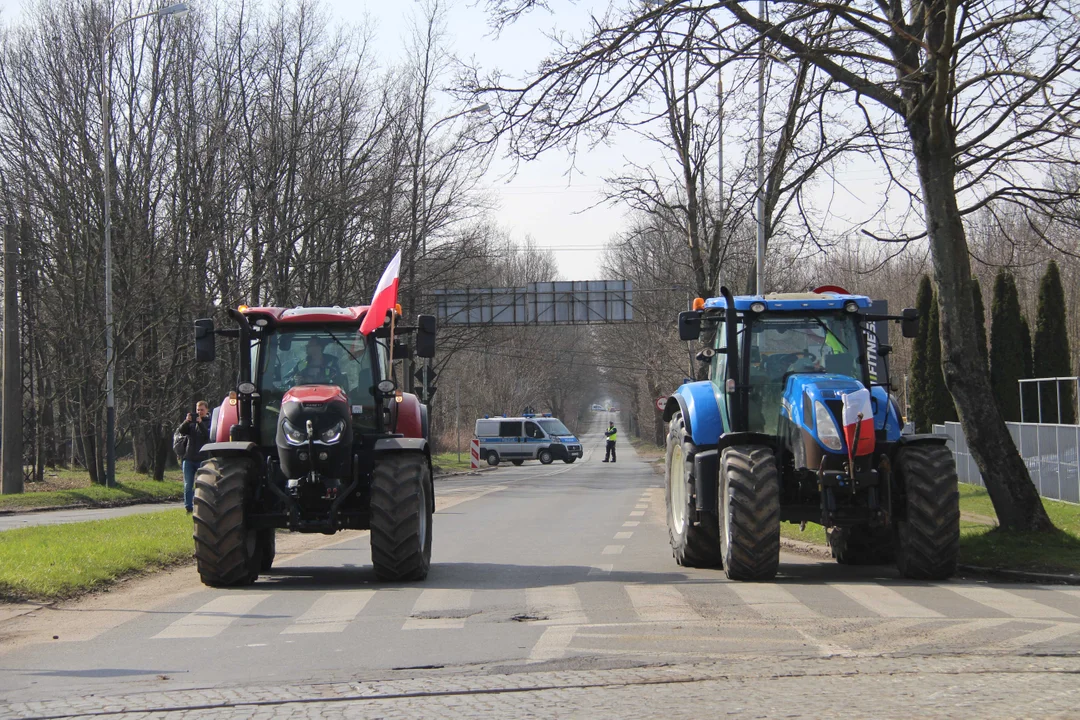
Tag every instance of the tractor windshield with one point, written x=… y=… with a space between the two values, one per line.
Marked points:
x=783 y=344
x=317 y=356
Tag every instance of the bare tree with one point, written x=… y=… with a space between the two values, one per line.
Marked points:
x=981 y=95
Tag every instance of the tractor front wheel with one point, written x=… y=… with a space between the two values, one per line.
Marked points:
x=402 y=502
x=750 y=512
x=227 y=550
x=928 y=538
x=692 y=544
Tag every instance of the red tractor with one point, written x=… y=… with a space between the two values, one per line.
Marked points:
x=316 y=437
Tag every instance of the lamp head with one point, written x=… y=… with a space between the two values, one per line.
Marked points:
x=177 y=10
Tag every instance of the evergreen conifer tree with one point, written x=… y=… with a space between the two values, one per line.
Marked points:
x=980 y=319
x=1051 y=356
x=917 y=380
x=939 y=403
x=1007 y=346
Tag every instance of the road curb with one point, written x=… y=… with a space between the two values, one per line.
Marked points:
x=1022 y=575
x=805 y=548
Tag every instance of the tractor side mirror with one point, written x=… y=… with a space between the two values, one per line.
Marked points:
x=909 y=325
x=204 y=340
x=690 y=325
x=425 y=336
x=401 y=351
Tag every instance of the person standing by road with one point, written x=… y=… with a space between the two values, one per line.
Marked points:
x=196 y=428
x=610 y=449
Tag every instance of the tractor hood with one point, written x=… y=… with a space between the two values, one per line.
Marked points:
x=803 y=390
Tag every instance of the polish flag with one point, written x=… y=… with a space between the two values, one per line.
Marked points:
x=858 y=413
x=385 y=297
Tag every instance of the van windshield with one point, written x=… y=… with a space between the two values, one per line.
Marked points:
x=554 y=427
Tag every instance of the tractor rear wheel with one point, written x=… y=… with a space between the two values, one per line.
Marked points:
x=226 y=548
x=402 y=502
x=693 y=545
x=928 y=538
x=862 y=545
x=750 y=512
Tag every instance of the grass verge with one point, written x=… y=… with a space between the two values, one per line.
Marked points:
x=647 y=449
x=449 y=462
x=125 y=493
x=53 y=562
x=987 y=546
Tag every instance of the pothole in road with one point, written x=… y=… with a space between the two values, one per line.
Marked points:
x=527 y=617
x=444 y=614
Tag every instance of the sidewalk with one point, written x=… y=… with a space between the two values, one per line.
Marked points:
x=33 y=518
x=60 y=517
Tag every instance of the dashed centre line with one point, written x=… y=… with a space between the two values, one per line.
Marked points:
x=623 y=535
x=613 y=550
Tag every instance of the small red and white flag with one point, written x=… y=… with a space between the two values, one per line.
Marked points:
x=859 y=413
x=385 y=297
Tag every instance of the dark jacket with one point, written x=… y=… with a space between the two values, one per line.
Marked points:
x=198 y=434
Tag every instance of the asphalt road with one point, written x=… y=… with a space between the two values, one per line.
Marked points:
x=551 y=587
x=63 y=517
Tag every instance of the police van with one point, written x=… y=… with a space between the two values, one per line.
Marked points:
x=529 y=437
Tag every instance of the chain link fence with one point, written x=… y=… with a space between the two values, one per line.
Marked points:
x=1051 y=453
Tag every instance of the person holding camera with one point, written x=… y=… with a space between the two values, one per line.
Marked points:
x=196 y=430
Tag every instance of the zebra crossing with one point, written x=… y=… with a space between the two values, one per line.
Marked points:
x=836 y=616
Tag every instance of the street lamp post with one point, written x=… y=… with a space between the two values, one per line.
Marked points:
x=177 y=10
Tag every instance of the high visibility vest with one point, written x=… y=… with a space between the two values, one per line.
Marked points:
x=834 y=343
x=611 y=435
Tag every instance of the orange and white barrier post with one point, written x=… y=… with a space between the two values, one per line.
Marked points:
x=474 y=450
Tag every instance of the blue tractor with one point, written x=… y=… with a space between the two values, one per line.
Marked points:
x=764 y=441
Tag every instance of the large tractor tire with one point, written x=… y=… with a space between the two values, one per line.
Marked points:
x=402 y=502
x=928 y=538
x=227 y=550
x=863 y=545
x=749 y=512
x=693 y=545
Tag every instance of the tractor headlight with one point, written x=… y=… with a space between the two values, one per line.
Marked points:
x=292 y=435
x=332 y=435
x=825 y=424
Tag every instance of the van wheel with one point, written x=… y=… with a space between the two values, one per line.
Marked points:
x=493 y=458
x=545 y=457
x=519 y=463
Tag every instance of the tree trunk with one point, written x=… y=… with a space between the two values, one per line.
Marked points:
x=1015 y=498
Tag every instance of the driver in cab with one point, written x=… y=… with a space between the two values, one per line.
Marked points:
x=317 y=368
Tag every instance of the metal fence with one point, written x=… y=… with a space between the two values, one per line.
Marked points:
x=1051 y=453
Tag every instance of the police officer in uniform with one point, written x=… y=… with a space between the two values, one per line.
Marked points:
x=610 y=449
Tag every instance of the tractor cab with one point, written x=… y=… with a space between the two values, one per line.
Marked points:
x=796 y=423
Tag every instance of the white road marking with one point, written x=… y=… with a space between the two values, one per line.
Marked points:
x=637 y=513
x=1036 y=637
x=623 y=535
x=884 y=601
x=601 y=569
x=641 y=506
x=213 y=617
x=331 y=613
x=631 y=523
x=561 y=605
x=946 y=636
x=613 y=550
x=553 y=643
x=1007 y=602
x=772 y=601
x=433 y=601
x=660 y=603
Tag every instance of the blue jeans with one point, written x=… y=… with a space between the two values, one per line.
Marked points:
x=189 y=467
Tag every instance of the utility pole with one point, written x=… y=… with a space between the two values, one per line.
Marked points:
x=457 y=417
x=11 y=451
